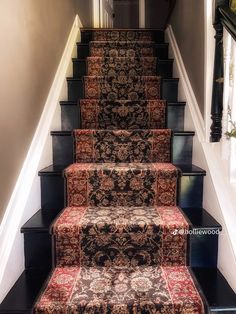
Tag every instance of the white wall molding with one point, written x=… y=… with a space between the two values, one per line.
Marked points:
x=185 y=82
x=219 y=195
x=96 y=13
x=142 y=10
x=25 y=199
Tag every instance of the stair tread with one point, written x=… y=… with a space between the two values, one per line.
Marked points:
x=154 y=43
x=75 y=103
x=129 y=58
x=217 y=291
x=84 y=29
x=185 y=169
x=23 y=295
x=81 y=79
x=42 y=220
x=119 y=289
x=70 y=133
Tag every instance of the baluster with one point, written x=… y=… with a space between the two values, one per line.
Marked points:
x=217 y=95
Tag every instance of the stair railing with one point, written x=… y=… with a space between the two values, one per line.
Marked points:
x=225 y=25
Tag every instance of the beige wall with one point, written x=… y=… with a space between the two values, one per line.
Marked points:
x=85 y=11
x=33 y=35
x=188 y=25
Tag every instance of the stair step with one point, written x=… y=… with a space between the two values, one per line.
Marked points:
x=38 y=242
x=123 y=66
x=121 y=227
x=88 y=35
x=71 y=119
x=217 y=292
x=24 y=293
x=190 y=192
x=186 y=170
x=180 y=146
x=168 y=92
x=120 y=184
x=161 y=50
x=42 y=220
x=122 y=49
x=122 y=87
x=219 y=295
x=135 y=289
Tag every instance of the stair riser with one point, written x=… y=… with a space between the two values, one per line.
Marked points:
x=161 y=51
x=38 y=250
x=203 y=250
x=190 y=191
x=164 y=68
x=87 y=36
x=63 y=152
x=169 y=89
x=70 y=117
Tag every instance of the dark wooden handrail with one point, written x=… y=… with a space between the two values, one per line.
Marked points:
x=228 y=19
x=223 y=17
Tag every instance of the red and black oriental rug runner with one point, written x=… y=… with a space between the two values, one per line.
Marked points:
x=121 y=244
x=150 y=289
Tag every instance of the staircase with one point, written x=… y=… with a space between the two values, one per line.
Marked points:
x=133 y=237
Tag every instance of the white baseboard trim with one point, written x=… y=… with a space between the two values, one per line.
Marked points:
x=25 y=199
x=218 y=197
x=187 y=88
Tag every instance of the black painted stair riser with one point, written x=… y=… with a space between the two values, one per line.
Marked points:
x=164 y=68
x=63 y=154
x=169 y=89
x=203 y=242
x=161 y=51
x=38 y=250
x=158 y=36
x=220 y=297
x=190 y=192
x=70 y=116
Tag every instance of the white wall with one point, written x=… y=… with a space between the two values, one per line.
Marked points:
x=219 y=194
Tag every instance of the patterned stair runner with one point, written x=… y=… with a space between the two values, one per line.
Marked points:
x=121 y=66
x=122 y=35
x=122 y=49
x=131 y=184
x=108 y=290
x=139 y=146
x=121 y=244
x=122 y=87
x=123 y=114
x=124 y=237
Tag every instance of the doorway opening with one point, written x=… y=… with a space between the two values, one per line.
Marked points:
x=126 y=13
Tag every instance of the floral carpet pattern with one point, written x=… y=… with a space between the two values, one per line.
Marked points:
x=121 y=184
x=122 y=49
x=121 y=244
x=121 y=66
x=122 y=114
x=121 y=35
x=126 y=237
x=122 y=87
x=122 y=146
x=149 y=289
